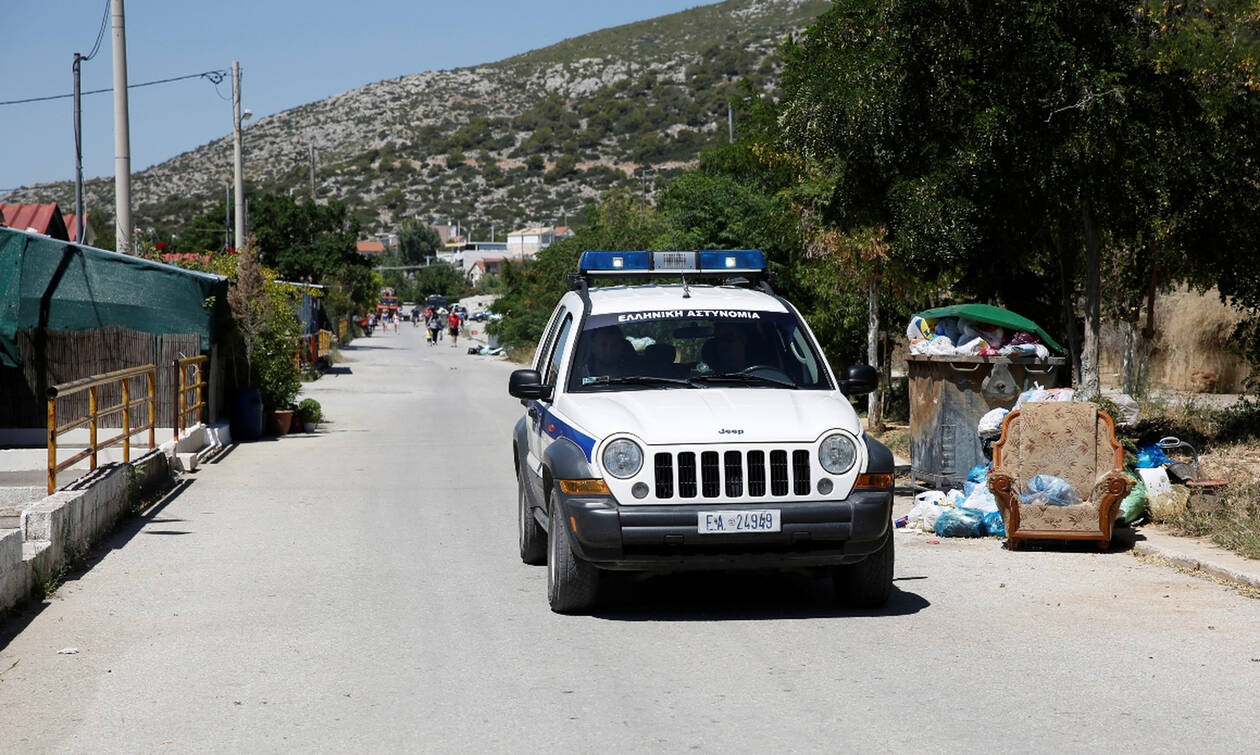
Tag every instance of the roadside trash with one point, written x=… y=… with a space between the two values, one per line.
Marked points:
x=1050 y=490
x=1180 y=471
x=1155 y=480
x=981 y=499
x=902 y=522
x=485 y=351
x=1133 y=507
x=991 y=422
x=992 y=524
x=927 y=509
x=68 y=651
x=1152 y=456
x=959 y=523
x=1037 y=393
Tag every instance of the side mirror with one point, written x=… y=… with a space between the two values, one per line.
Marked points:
x=527 y=384
x=862 y=379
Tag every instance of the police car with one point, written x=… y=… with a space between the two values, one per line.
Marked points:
x=693 y=424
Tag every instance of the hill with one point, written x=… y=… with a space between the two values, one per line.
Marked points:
x=525 y=140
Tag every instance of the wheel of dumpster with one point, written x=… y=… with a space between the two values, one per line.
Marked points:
x=572 y=584
x=868 y=583
x=530 y=533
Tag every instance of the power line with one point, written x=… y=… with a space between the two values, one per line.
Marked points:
x=99 y=34
x=214 y=77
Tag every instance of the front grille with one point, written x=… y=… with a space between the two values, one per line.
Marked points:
x=732 y=474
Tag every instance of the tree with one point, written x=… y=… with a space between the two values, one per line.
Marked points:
x=417 y=241
x=304 y=239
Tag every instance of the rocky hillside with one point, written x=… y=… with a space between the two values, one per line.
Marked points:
x=522 y=141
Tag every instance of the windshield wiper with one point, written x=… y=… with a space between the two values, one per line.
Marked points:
x=636 y=380
x=744 y=377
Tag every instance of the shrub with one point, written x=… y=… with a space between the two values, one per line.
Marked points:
x=310 y=411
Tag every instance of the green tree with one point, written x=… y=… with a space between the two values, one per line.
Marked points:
x=303 y=239
x=417 y=241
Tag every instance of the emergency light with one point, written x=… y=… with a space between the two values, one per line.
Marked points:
x=698 y=263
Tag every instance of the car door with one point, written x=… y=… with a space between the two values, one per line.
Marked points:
x=537 y=411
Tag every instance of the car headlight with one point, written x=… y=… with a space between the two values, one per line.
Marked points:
x=623 y=458
x=837 y=453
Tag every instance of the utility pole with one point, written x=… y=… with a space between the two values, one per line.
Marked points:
x=122 y=135
x=312 y=172
x=78 y=153
x=239 y=169
x=227 y=216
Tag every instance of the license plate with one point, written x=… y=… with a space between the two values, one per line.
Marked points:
x=718 y=522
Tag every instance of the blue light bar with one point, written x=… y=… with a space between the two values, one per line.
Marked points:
x=714 y=262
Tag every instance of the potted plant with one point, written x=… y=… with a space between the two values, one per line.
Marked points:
x=310 y=414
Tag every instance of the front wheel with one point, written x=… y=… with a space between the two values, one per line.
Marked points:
x=532 y=539
x=868 y=583
x=572 y=584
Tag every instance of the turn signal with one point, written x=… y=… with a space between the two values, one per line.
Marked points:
x=874 y=481
x=584 y=487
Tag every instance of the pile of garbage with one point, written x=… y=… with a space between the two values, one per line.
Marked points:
x=960 y=336
x=1169 y=487
x=485 y=351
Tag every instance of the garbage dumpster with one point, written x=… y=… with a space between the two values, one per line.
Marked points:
x=949 y=395
x=966 y=360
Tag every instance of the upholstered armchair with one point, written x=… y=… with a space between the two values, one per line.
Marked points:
x=1074 y=441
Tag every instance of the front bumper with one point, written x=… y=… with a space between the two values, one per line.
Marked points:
x=665 y=538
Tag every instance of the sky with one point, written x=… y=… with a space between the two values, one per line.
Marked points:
x=290 y=53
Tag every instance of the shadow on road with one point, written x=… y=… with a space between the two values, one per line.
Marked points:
x=19 y=617
x=726 y=596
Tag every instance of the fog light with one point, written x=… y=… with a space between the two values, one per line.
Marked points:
x=824 y=486
x=640 y=490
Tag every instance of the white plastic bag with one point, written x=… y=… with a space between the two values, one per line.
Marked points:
x=972 y=347
x=991 y=422
x=941 y=346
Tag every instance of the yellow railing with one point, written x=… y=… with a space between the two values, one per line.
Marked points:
x=186 y=386
x=92 y=420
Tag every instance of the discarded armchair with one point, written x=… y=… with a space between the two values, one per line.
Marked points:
x=1075 y=442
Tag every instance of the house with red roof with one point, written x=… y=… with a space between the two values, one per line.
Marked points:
x=36 y=218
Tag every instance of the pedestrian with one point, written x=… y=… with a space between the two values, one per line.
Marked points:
x=394 y=317
x=454 y=321
x=441 y=323
x=415 y=317
x=434 y=324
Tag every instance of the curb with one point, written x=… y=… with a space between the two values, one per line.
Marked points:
x=1200 y=566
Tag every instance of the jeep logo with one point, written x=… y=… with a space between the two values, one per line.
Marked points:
x=725 y=431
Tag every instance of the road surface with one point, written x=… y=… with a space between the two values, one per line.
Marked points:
x=359 y=590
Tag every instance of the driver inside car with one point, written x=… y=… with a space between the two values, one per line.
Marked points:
x=608 y=354
x=727 y=351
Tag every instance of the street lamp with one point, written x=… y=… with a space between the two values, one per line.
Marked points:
x=239 y=172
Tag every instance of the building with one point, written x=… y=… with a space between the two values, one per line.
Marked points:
x=373 y=250
x=36 y=218
x=529 y=241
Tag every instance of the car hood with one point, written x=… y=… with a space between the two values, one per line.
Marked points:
x=712 y=415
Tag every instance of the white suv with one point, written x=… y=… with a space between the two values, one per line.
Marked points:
x=686 y=426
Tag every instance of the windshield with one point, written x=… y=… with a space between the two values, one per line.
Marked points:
x=695 y=349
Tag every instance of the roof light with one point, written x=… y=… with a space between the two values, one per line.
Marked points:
x=673 y=263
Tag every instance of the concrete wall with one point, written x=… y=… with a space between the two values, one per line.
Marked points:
x=40 y=538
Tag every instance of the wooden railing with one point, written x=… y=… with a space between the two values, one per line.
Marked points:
x=184 y=386
x=95 y=413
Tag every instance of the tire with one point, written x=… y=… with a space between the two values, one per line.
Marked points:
x=868 y=583
x=532 y=539
x=572 y=584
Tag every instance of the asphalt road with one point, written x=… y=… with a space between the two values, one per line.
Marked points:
x=359 y=590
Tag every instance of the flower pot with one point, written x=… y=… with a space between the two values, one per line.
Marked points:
x=295 y=424
x=308 y=427
x=281 y=421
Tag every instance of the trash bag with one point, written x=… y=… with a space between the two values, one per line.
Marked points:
x=918 y=329
x=978 y=475
x=948 y=327
x=992 y=334
x=940 y=346
x=981 y=499
x=1133 y=507
x=1051 y=490
x=991 y=422
x=959 y=523
x=1149 y=457
x=992 y=524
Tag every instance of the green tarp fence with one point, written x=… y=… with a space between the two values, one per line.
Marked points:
x=56 y=285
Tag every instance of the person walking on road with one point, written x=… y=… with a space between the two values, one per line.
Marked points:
x=434 y=323
x=453 y=321
x=415 y=317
